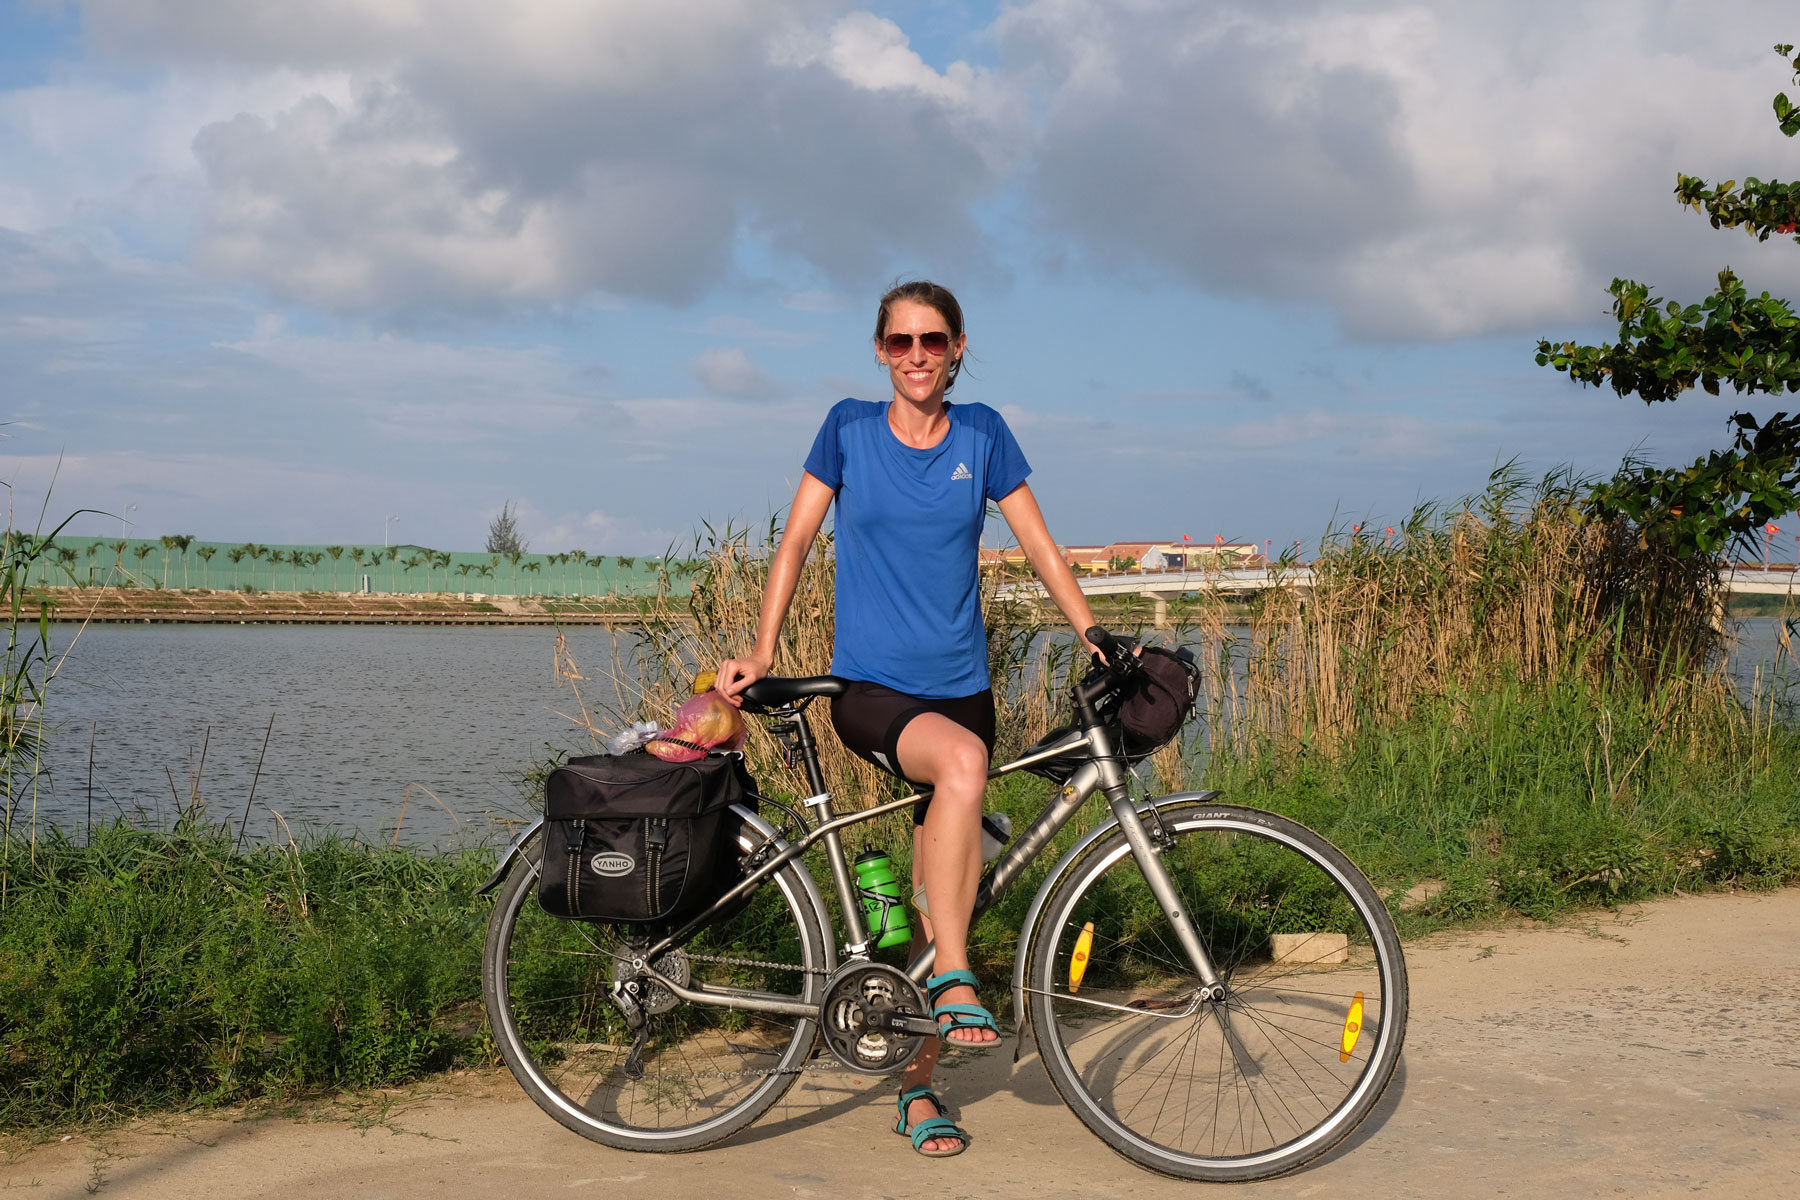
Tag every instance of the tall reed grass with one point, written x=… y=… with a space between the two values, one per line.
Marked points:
x=1503 y=691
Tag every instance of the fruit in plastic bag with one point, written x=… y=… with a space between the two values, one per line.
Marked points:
x=704 y=722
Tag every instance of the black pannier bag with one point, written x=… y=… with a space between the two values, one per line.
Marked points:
x=1143 y=716
x=632 y=839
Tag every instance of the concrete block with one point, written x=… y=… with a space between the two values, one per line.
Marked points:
x=1318 y=948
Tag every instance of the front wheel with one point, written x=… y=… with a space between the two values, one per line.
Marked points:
x=701 y=1073
x=1286 y=1064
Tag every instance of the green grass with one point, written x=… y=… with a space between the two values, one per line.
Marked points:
x=160 y=970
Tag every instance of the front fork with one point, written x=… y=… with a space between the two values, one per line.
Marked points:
x=1149 y=859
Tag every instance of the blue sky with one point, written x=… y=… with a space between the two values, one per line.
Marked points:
x=278 y=272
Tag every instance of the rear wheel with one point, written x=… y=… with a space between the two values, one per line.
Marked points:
x=1281 y=1069
x=703 y=1072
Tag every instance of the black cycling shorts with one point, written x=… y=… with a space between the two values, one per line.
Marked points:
x=869 y=717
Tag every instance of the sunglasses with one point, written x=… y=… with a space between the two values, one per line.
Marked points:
x=898 y=344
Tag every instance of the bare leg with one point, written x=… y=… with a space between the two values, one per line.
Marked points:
x=947 y=863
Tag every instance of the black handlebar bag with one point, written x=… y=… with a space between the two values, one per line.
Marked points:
x=1143 y=714
x=632 y=839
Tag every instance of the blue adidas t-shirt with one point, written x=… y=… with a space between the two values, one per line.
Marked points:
x=908 y=531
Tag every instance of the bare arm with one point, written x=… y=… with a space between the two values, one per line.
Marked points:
x=805 y=516
x=1020 y=508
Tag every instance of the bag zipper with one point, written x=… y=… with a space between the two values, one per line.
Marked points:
x=574 y=872
x=656 y=835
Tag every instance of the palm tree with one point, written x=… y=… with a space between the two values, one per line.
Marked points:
x=169 y=542
x=443 y=560
x=236 y=555
x=182 y=542
x=533 y=567
x=393 y=554
x=414 y=560
x=66 y=557
x=206 y=556
x=140 y=552
x=276 y=558
x=580 y=557
x=258 y=552
x=337 y=553
x=313 y=559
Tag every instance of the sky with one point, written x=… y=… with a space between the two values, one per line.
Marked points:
x=332 y=271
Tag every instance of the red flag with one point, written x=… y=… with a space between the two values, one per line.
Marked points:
x=1771 y=527
x=1390 y=530
x=1218 y=539
x=1187 y=537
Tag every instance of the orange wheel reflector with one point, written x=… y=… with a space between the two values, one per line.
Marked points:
x=1352 y=1028
x=1078 y=961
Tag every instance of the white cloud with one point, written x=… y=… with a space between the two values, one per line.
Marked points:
x=1427 y=171
x=469 y=156
x=728 y=371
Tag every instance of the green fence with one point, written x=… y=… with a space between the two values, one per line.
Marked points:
x=188 y=563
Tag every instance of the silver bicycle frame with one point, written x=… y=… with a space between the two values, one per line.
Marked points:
x=1104 y=771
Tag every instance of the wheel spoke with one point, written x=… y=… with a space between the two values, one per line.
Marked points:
x=704 y=1072
x=1248 y=1086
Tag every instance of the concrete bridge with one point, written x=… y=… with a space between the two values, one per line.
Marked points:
x=1161 y=586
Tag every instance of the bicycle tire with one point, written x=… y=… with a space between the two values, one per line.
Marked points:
x=1245 y=1088
x=707 y=1072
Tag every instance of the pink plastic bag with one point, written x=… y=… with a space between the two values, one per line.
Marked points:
x=704 y=722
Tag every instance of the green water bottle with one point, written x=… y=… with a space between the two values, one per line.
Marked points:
x=883 y=906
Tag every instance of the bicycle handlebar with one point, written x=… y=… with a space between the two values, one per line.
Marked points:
x=1114 y=662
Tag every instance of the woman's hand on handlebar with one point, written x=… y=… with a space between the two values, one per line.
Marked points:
x=736 y=674
x=1107 y=647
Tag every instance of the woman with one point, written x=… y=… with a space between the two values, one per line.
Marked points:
x=912 y=478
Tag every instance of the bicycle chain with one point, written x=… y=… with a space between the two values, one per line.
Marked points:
x=755 y=962
x=825 y=1064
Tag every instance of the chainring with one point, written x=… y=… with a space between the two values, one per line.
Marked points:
x=855 y=993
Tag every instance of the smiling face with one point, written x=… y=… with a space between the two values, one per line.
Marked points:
x=918 y=375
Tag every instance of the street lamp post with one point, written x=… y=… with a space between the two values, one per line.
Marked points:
x=384 y=530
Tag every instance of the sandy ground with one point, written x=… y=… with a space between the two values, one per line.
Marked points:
x=1648 y=1053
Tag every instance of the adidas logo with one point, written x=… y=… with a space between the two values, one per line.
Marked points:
x=961 y=472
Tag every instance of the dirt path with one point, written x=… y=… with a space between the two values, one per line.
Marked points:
x=1656 y=1052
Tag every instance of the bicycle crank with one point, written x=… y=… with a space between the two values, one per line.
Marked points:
x=873 y=1017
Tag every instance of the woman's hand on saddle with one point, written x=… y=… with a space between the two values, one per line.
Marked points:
x=736 y=674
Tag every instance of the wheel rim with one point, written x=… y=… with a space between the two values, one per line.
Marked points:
x=1255 y=1080
x=705 y=1070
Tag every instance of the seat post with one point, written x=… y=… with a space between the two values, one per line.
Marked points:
x=809 y=752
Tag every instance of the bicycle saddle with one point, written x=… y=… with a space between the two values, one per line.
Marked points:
x=773 y=691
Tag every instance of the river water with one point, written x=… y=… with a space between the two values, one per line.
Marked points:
x=361 y=713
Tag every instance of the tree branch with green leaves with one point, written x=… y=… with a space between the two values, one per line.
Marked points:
x=1751 y=343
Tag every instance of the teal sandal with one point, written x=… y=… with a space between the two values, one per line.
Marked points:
x=939 y=1126
x=962 y=1016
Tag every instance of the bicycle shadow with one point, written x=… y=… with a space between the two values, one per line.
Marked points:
x=966 y=1081
x=1371 y=1125
x=963 y=1078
